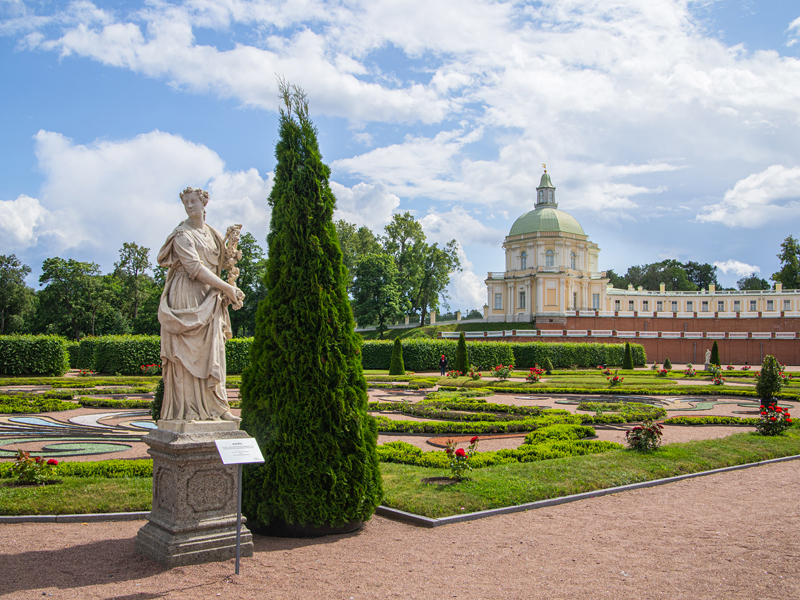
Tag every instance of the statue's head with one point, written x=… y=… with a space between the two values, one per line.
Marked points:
x=194 y=201
x=199 y=192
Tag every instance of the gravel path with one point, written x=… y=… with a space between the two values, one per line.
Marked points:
x=731 y=536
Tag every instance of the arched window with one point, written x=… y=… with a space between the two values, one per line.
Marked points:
x=523 y=260
x=573 y=261
x=549 y=258
x=550 y=194
x=541 y=195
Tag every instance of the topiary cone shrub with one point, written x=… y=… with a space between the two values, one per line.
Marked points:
x=715 y=354
x=548 y=366
x=769 y=381
x=667 y=364
x=396 y=367
x=627 y=358
x=462 y=362
x=304 y=396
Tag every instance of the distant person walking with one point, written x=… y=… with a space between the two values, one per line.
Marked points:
x=443 y=364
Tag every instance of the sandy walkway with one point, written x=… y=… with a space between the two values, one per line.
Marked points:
x=731 y=536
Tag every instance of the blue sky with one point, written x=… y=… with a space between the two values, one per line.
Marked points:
x=670 y=128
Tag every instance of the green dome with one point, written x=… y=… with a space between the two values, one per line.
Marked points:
x=546 y=219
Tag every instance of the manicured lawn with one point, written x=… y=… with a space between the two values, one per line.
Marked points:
x=490 y=487
x=78 y=495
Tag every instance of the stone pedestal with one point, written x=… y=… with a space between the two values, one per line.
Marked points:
x=193 y=519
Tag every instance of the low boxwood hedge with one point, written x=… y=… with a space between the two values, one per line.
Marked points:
x=712 y=420
x=32 y=403
x=102 y=468
x=386 y=425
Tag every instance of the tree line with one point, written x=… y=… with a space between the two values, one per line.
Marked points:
x=76 y=299
x=387 y=277
x=396 y=274
x=692 y=276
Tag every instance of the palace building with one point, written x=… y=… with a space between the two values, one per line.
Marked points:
x=553 y=287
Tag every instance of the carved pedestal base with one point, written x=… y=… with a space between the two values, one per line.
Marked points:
x=193 y=519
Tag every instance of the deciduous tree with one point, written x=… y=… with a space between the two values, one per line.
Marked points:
x=376 y=295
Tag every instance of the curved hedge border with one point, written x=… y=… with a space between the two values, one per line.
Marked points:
x=32 y=403
x=104 y=468
x=33 y=355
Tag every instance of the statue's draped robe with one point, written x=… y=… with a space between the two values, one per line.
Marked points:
x=194 y=326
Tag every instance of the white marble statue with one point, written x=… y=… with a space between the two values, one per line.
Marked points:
x=193 y=313
x=708 y=360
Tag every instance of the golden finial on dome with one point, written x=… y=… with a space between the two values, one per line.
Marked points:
x=544 y=166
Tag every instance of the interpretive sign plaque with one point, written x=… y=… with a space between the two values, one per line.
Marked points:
x=242 y=451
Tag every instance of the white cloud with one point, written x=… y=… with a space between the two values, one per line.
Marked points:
x=458 y=224
x=466 y=289
x=759 y=199
x=737 y=267
x=18 y=220
x=365 y=204
x=106 y=193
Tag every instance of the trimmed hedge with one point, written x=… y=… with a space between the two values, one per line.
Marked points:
x=126 y=354
x=32 y=403
x=74 y=351
x=405 y=453
x=33 y=355
x=712 y=420
x=565 y=354
x=102 y=468
x=531 y=424
x=113 y=403
x=423 y=355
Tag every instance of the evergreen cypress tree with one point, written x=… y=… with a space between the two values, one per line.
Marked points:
x=548 y=366
x=304 y=396
x=715 y=354
x=627 y=358
x=462 y=362
x=667 y=364
x=769 y=381
x=396 y=367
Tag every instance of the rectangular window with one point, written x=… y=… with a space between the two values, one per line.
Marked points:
x=770 y=305
x=616 y=305
x=737 y=306
x=646 y=305
x=521 y=300
x=787 y=305
x=631 y=305
x=659 y=306
x=498 y=301
x=674 y=306
x=596 y=301
x=720 y=306
x=704 y=306
x=689 y=306
x=753 y=305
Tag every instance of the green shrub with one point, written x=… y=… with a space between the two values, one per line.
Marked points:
x=74 y=351
x=405 y=453
x=103 y=468
x=126 y=354
x=86 y=354
x=462 y=363
x=33 y=355
x=114 y=403
x=423 y=354
x=31 y=403
x=559 y=432
x=769 y=381
x=397 y=366
x=715 y=354
x=627 y=358
x=237 y=355
x=548 y=366
x=158 y=399
x=304 y=396
x=566 y=354
x=667 y=365
x=474 y=427
x=711 y=420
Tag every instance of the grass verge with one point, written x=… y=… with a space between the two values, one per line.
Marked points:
x=489 y=487
x=78 y=495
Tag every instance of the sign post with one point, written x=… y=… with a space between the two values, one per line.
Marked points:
x=242 y=451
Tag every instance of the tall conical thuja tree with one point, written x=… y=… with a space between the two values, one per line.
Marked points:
x=715 y=354
x=304 y=396
x=462 y=362
x=627 y=357
x=396 y=366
